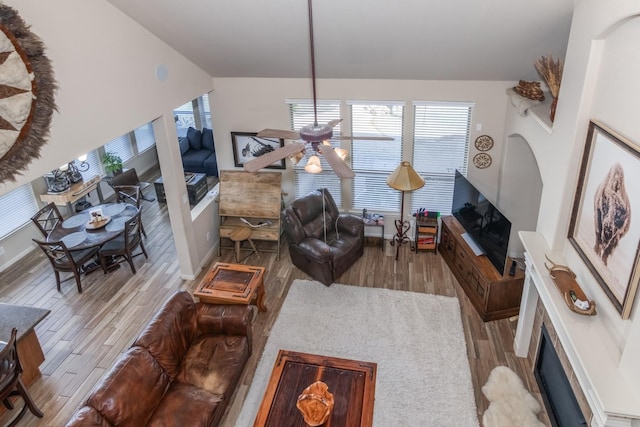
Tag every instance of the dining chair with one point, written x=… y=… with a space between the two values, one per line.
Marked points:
x=130 y=177
x=11 y=384
x=47 y=218
x=125 y=244
x=130 y=194
x=64 y=260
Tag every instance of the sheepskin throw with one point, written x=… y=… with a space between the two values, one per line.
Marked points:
x=27 y=90
x=511 y=404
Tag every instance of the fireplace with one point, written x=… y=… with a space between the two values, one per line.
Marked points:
x=562 y=407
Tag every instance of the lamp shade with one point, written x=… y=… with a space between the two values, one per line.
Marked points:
x=405 y=178
x=313 y=165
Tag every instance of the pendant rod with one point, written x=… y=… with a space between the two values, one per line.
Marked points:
x=313 y=65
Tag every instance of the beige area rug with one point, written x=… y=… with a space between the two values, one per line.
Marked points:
x=511 y=403
x=416 y=339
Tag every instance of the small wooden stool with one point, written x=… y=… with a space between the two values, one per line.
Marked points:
x=239 y=235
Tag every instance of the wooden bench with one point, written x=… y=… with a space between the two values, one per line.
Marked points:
x=255 y=197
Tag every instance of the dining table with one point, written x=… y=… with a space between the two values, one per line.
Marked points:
x=77 y=232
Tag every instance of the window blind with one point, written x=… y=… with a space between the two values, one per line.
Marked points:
x=145 y=138
x=184 y=118
x=301 y=114
x=95 y=166
x=17 y=207
x=373 y=161
x=441 y=145
x=120 y=146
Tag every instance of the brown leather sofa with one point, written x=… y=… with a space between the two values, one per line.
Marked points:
x=304 y=228
x=181 y=371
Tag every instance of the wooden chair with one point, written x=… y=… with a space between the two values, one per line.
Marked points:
x=130 y=194
x=47 y=218
x=10 y=382
x=130 y=177
x=64 y=260
x=125 y=244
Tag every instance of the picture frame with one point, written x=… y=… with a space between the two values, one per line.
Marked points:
x=605 y=218
x=248 y=146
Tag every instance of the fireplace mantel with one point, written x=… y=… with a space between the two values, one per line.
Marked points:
x=612 y=393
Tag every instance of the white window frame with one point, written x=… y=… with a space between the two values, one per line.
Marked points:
x=440 y=126
x=373 y=161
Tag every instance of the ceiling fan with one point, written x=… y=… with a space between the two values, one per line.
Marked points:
x=315 y=136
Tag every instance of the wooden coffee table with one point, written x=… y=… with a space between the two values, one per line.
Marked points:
x=233 y=284
x=351 y=382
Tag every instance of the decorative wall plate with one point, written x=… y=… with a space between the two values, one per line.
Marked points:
x=484 y=143
x=27 y=90
x=482 y=160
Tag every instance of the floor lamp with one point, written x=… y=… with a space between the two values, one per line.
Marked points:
x=404 y=178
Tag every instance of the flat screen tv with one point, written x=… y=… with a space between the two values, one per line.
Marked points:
x=487 y=227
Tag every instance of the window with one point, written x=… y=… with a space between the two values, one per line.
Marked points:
x=144 y=137
x=301 y=112
x=16 y=206
x=120 y=146
x=195 y=114
x=373 y=161
x=441 y=145
x=183 y=115
x=95 y=168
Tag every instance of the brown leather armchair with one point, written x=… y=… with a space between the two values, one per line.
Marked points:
x=324 y=259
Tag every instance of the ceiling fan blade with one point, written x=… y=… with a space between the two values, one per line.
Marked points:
x=370 y=138
x=340 y=167
x=273 y=156
x=335 y=122
x=278 y=133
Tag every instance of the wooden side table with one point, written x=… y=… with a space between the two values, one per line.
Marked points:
x=233 y=284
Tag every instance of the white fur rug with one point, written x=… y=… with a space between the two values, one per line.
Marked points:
x=511 y=404
x=417 y=340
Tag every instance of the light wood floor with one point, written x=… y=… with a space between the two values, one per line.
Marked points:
x=85 y=333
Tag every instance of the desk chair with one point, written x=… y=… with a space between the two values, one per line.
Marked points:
x=130 y=177
x=62 y=259
x=10 y=382
x=47 y=218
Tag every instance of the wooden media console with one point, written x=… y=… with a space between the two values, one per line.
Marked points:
x=493 y=294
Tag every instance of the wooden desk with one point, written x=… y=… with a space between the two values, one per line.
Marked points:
x=351 y=382
x=255 y=197
x=74 y=193
x=233 y=284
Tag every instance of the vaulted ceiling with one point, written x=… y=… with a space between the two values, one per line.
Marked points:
x=361 y=39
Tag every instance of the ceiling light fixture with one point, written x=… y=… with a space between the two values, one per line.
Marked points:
x=313 y=165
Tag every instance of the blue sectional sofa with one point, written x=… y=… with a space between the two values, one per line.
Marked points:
x=198 y=152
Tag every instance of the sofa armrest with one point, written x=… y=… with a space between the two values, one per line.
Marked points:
x=228 y=319
x=350 y=224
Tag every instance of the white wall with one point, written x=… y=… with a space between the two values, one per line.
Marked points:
x=249 y=105
x=104 y=64
x=600 y=82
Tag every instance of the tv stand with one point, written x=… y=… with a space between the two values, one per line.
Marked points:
x=494 y=295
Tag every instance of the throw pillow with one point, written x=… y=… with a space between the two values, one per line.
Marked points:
x=195 y=138
x=207 y=139
x=184 y=144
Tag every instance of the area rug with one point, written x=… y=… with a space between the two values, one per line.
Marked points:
x=511 y=403
x=417 y=340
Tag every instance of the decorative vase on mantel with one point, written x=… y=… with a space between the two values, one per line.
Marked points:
x=552 y=113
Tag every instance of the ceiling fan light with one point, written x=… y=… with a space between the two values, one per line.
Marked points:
x=295 y=159
x=326 y=142
x=316 y=132
x=341 y=152
x=313 y=165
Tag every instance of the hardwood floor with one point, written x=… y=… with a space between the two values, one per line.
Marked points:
x=85 y=333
